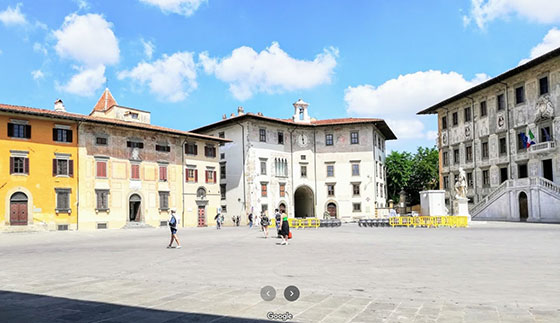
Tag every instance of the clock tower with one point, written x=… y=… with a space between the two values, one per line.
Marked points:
x=300 y=112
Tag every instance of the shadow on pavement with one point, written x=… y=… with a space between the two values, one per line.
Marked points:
x=23 y=307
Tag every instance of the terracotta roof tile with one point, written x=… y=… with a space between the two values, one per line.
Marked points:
x=105 y=101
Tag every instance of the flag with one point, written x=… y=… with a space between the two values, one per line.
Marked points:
x=524 y=139
x=530 y=139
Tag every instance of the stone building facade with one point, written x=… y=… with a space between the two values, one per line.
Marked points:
x=485 y=131
x=307 y=167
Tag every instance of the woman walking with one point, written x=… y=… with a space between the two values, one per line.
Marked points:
x=173 y=227
x=264 y=223
x=284 y=229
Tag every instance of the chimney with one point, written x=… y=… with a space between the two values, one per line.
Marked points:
x=224 y=116
x=259 y=114
x=240 y=111
x=59 y=106
x=232 y=115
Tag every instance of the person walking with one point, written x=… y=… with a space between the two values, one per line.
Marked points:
x=217 y=218
x=173 y=227
x=284 y=228
x=250 y=220
x=264 y=223
x=278 y=221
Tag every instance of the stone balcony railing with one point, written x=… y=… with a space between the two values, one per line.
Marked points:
x=543 y=147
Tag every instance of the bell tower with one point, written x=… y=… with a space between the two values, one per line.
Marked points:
x=300 y=112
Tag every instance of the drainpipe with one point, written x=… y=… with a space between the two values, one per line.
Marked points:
x=315 y=170
x=183 y=181
x=77 y=174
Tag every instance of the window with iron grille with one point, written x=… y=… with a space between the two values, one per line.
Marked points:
x=102 y=197
x=135 y=144
x=163 y=200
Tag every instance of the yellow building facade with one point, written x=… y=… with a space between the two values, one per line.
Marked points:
x=38 y=177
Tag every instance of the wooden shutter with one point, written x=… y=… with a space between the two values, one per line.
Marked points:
x=10 y=129
x=206 y=176
x=214 y=177
x=27 y=131
x=196 y=175
x=71 y=168
x=26 y=166
x=186 y=174
x=54 y=132
x=69 y=135
x=195 y=149
x=11 y=165
x=54 y=165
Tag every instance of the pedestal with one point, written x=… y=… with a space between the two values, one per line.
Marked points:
x=432 y=203
x=461 y=207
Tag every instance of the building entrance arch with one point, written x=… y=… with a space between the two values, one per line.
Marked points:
x=304 y=202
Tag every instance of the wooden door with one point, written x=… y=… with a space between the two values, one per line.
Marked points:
x=18 y=213
x=201 y=216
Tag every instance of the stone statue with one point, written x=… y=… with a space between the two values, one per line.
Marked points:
x=461 y=184
x=545 y=109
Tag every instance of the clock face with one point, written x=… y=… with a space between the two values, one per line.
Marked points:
x=302 y=140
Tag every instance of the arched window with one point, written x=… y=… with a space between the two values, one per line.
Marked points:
x=201 y=193
x=18 y=197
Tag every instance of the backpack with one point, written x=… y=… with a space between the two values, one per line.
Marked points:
x=173 y=222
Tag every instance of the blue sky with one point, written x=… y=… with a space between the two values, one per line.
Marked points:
x=190 y=61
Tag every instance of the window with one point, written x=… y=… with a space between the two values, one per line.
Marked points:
x=282 y=190
x=500 y=102
x=280 y=138
x=303 y=157
x=443 y=123
x=135 y=144
x=455 y=117
x=62 y=199
x=470 y=182
x=354 y=139
x=210 y=151
x=191 y=148
x=543 y=85
x=445 y=182
x=210 y=176
x=545 y=134
x=221 y=135
x=356 y=207
x=101 y=168
x=263 y=166
x=522 y=171
x=356 y=169
x=519 y=95
x=224 y=208
x=330 y=170
x=483 y=109
x=355 y=189
x=468 y=154
x=329 y=139
x=192 y=175
x=163 y=148
x=133 y=115
x=485 y=178
x=264 y=192
x=503 y=174
x=520 y=144
x=222 y=156
x=101 y=141
x=62 y=135
x=303 y=171
x=330 y=189
x=63 y=167
x=467 y=114
x=222 y=170
x=19 y=165
x=164 y=200
x=503 y=146
x=262 y=135
x=485 y=150
x=135 y=171
x=102 y=197
x=456 y=156
x=163 y=173
x=16 y=130
x=445 y=158
x=223 y=191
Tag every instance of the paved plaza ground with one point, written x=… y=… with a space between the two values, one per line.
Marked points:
x=490 y=272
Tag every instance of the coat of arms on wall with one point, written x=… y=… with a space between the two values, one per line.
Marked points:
x=501 y=121
x=468 y=131
x=444 y=138
x=544 y=109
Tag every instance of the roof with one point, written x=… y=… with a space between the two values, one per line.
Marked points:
x=379 y=123
x=105 y=101
x=100 y=120
x=512 y=72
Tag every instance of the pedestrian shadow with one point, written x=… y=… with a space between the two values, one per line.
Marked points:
x=23 y=307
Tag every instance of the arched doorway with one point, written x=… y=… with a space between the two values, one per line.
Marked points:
x=303 y=202
x=134 y=208
x=18 y=209
x=331 y=209
x=523 y=207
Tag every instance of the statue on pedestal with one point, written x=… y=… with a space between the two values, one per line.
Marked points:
x=461 y=184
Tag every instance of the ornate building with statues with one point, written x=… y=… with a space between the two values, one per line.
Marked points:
x=308 y=167
x=502 y=133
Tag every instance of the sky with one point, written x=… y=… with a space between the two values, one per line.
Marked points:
x=189 y=62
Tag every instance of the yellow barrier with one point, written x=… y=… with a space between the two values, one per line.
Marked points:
x=429 y=221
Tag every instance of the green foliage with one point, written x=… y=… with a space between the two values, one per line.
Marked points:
x=413 y=173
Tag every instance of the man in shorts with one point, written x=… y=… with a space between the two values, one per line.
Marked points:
x=173 y=227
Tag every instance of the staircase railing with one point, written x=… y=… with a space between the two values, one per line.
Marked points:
x=541 y=181
x=482 y=203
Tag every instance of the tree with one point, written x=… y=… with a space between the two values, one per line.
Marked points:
x=399 y=169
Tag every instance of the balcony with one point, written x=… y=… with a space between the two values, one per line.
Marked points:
x=542 y=147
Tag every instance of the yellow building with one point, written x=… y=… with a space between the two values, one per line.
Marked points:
x=38 y=181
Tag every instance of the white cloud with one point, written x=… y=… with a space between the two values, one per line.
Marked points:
x=86 y=82
x=13 y=16
x=37 y=74
x=149 y=48
x=181 y=7
x=541 y=11
x=37 y=47
x=82 y=4
x=270 y=71
x=87 y=39
x=171 y=78
x=397 y=100
x=550 y=42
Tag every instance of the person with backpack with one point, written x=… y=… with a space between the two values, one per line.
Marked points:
x=265 y=222
x=284 y=229
x=250 y=220
x=277 y=218
x=173 y=226
x=217 y=218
